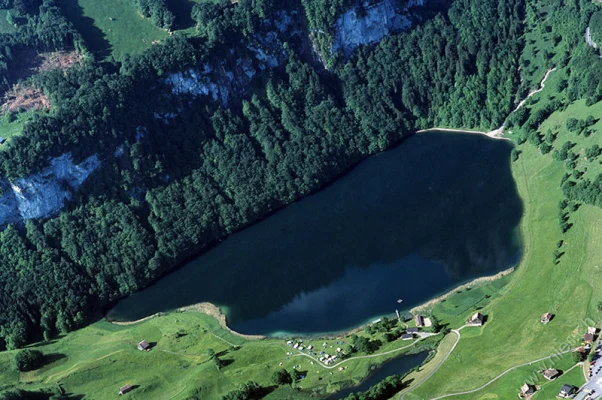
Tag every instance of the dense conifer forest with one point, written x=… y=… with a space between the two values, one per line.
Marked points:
x=182 y=183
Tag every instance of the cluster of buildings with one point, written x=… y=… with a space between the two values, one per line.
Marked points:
x=566 y=391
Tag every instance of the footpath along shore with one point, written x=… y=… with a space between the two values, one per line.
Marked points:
x=214 y=311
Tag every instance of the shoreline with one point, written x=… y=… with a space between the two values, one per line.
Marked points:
x=495 y=134
x=471 y=284
x=499 y=132
x=214 y=311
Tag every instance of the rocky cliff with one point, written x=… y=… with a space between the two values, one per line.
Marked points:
x=369 y=23
x=44 y=193
x=231 y=75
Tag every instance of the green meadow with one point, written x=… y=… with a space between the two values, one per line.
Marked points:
x=571 y=289
x=97 y=360
x=112 y=28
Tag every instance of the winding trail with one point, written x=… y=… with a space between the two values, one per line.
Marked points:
x=502 y=374
x=497 y=133
x=424 y=336
x=459 y=335
x=588 y=38
x=542 y=85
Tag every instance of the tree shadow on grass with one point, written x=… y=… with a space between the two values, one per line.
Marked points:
x=52 y=358
x=45 y=343
x=224 y=363
x=94 y=37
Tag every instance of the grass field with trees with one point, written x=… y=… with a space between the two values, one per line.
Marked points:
x=192 y=356
x=112 y=28
x=215 y=168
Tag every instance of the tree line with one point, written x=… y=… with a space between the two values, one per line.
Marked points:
x=176 y=186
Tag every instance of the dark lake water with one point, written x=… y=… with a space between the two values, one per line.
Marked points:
x=413 y=222
x=396 y=366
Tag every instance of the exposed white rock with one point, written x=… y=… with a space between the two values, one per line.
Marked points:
x=140 y=133
x=231 y=76
x=196 y=83
x=282 y=21
x=44 y=193
x=355 y=28
x=165 y=117
x=119 y=151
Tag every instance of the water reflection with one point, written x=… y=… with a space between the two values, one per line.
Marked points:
x=411 y=222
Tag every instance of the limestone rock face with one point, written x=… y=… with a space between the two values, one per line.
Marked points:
x=230 y=77
x=43 y=194
x=370 y=23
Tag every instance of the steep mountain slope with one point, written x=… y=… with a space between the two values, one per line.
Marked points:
x=202 y=136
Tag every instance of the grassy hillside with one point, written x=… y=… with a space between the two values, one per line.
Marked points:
x=112 y=28
x=99 y=359
x=570 y=289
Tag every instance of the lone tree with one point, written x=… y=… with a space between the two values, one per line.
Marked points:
x=282 y=377
x=28 y=360
x=214 y=358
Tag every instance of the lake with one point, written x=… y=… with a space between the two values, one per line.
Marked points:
x=411 y=223
x=396 y=366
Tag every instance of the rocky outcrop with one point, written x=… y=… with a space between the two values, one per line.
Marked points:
x=231 y=76
x=43 y=194
x=369 y=23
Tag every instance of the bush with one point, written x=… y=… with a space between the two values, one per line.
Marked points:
x=282 y=377
x=28 y=360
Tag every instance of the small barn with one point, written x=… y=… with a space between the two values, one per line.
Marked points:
x=551 y=374
x=567 y=391
x=526 y=390
x=419 y=320
x=477 y=319
x=144 y=346
x=547 y=317
x=124 y=389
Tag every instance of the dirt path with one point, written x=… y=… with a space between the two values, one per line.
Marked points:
x=497 y=133
x=502 y=374
x=588 y=38
x=459 y=335
x=74 y=366
x=542 y=85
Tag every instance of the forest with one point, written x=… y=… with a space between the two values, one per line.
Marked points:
x=180 y=184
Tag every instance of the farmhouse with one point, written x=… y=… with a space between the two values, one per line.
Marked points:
x=476 y=319
x=592 y=330
x=567 y=391
x=419 y=320
x=412 y=330
x=588 y=338
x=144 y=346
x=124 y=389
x=547 y=317
x=551 y=374
x=526 y=390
